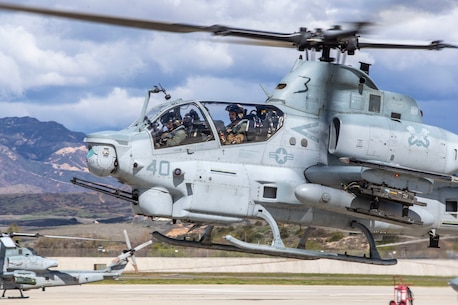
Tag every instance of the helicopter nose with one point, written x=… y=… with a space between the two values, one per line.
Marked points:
x=101 y=160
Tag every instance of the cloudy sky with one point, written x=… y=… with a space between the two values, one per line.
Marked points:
x=92 y=77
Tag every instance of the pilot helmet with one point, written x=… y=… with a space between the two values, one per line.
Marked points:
x=261 y=112
x=234 y=108
x=237 y=109
x=190 y=117
x=170 y=117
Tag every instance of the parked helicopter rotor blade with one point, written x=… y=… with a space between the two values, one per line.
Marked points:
x=126 y=237
x=38 y=235
x=145 y=244
x=413 y=241
x=134 y=260
x=131 y=253
x=71 y=237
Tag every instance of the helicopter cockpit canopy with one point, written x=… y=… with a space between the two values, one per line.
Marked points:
x=207 y=121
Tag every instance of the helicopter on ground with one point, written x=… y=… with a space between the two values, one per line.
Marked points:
x=328 y=148
x=23 y=269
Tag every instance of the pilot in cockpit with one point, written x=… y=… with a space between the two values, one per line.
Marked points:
x=236 y=130
x=189 y=120
x=175 y=133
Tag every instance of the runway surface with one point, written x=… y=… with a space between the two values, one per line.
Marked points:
x=229 y=295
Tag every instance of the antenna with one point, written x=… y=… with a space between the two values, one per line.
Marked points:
x=269 y=95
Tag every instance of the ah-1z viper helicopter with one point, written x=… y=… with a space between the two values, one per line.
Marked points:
x=328 y=148
x=22 y=269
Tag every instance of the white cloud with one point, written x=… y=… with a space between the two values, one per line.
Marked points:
x=118 y=108
x=115 y=110
x=26 y=64
x=211 y=88
x=10 y=78
x=175 y=54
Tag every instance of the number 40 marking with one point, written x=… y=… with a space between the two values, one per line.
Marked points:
x=163 y=169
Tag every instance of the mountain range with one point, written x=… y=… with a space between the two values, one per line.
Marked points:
x=40 y=157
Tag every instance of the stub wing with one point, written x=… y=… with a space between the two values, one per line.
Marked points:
x=397 y=169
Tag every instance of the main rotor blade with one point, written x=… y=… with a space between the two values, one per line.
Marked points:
x=220 y=30
x=346 y=40
x=259 y=42
x=105 y=19
x=420 y=45
x=152 y=25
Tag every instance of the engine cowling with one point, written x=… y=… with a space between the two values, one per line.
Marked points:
x=408 y=144
x=30 y=263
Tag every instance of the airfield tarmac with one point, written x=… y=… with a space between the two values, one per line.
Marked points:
x=230 y=295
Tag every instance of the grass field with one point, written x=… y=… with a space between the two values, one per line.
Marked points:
x=276 y=279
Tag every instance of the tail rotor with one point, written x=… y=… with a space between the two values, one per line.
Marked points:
x=130 y=252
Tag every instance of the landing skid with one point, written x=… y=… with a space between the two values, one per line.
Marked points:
x=22 y=296
x=277 y=248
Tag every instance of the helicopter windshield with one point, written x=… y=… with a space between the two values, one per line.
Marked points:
x=179 y=125
x=230 y=123
x=238 y=123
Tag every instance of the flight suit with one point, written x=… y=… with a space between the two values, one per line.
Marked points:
x=173 y=138
x=236 y=132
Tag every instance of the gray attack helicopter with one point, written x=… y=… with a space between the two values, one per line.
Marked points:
x=328 y=148
x=23 y=269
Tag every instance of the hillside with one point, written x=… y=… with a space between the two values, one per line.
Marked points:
x=42 y=210
x=40 y=157
x=37 y=162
